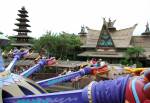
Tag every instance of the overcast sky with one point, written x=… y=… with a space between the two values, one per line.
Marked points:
x=69 y=15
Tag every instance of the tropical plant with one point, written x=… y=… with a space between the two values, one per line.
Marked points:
x=62 y=45
x=132 y=56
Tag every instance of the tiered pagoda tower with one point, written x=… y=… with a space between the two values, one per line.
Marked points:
x=22 y=39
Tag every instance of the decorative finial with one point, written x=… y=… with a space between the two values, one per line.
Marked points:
x=23 y=8
x=110 y=23
x=104 y=21
x=83 y=31
x=109 y=20
x=147 y=27
x=147 y=31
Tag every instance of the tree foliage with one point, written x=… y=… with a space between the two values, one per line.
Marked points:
x=132 y=56
x=62 y=45
x=134 y=52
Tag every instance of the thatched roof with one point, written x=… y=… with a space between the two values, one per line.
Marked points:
x=121 y=38
x=21 y=44
x=69 y=64
x=144 y=42
x=105 y=54
x=92 y=38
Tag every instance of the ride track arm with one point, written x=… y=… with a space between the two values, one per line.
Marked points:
x=49 y=82
x=1 y=98
x=35 y=68
x=68 y=77
x=75 y=96
x=17 y=56
x=111 y=91
x=1 y=62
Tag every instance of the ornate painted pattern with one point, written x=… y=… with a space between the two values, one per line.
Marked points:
x=105 y=39
x=59 y=97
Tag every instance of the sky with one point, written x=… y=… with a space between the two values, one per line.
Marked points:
x=69 y=15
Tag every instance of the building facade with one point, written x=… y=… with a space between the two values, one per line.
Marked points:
x=111 y=44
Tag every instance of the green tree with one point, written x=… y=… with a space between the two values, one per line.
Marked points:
x=132 y=56
x=62 y=45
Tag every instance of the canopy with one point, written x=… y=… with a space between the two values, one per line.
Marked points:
x=3 y=39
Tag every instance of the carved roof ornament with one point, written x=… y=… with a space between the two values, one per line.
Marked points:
x=109 y=24
x=147 y=30
x=83 y=31
x=23 y=8
x=147 y=27
x=104 y=21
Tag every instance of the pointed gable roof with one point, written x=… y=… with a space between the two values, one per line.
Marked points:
x=105 y=40
x=121 y=38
